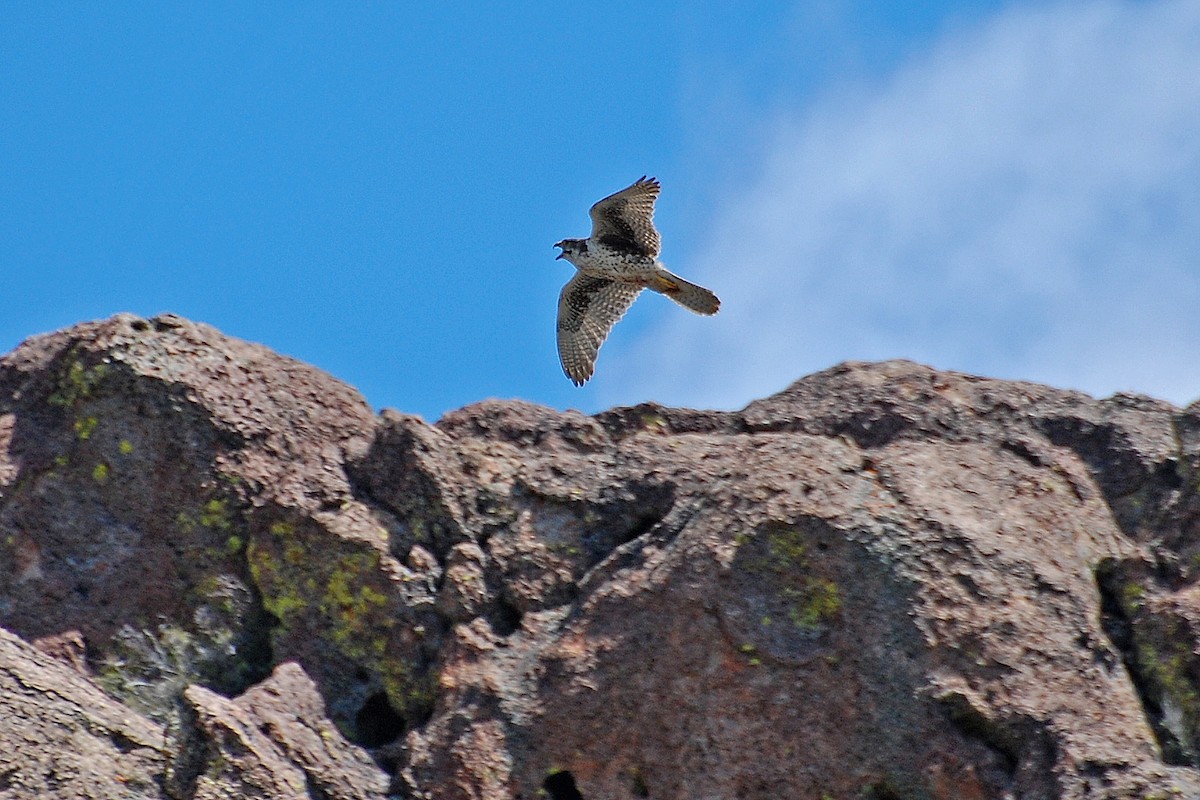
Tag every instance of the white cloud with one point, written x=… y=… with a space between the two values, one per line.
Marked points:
x=1023 y=201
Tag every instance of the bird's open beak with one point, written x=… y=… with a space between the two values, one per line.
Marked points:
x=560 y=255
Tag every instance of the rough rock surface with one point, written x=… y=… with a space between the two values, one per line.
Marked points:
x=884 y=582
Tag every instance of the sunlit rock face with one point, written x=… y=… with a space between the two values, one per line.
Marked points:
x=223 y=574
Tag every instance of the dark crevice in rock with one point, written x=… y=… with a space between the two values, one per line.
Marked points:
x=882 y=790
x=629 y=519
x=192 y=752
x=972 y=722
x=1027 y=752
x=1167 y=474
x=561 y=786
x=315 y=792
x=505 y=618
x=122 y=742
x=377 y=723
x=876 y=426
x=1023 y=451
x=629 y=554
x=1118 y=627
x=253 y=656
x=643 y=524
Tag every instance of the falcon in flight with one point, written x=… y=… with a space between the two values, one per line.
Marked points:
x=612 y=266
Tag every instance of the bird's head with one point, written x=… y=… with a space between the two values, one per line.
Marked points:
x=571 y=248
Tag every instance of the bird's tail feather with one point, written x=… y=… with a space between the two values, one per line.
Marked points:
x=687 y=294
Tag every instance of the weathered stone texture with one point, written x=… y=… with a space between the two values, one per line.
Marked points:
x=883 y=582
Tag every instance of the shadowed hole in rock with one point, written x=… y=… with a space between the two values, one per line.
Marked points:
x=882 y=791
x=621 y=521
x=974 y=724
x=561 y=786
x=643 y=525
x=505 y=618
x=1168 y=474
x=377 y=723
x=640 y=789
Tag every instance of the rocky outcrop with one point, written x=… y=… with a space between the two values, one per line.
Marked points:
x=884 y=582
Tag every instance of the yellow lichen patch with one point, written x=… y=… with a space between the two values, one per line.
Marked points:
x=100 y=473
x=339 y=591
x=814 y=602
x=1132 y=597
x=77 y=383
x=185 y=522
x=787 y=545
x=215 y=515
x=810 y=600
x=281 y=597
x=356 y=607
x=126 y=447
x=1170 y=671
x=654 y=422
x=85 y=427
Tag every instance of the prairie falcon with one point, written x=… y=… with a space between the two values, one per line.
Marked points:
x=613 y=265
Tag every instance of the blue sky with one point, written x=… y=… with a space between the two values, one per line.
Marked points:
x=1005 y=188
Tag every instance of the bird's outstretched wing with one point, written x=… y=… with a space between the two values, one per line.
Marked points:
x=588 y=308
x=625 y=220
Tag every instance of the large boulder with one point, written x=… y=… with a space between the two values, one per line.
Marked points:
x=884 y=582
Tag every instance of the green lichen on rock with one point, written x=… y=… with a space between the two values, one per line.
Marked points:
x=1163 y=658
x=788 y=547
x=356 y=606
x=215 y=515
x=85 y=427
x=813 y=603
x=1166 y=663
x=1132 y=597
x=185 y=522
x=77 y=382
x=284 y=595
x=810 y=600
x=313 y=583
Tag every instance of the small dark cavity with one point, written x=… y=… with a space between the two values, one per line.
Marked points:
x=505 y=618
x=882 y=791
x=1167 y=474
x=561 y=786
x=377 y=723
x=644 y=524
x=1022 y=450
